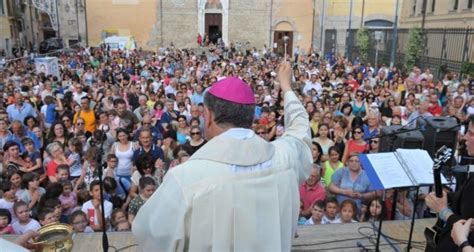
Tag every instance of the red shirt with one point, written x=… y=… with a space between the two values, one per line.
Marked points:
x=309 y=195
x=352 y=147
x=353 y=84
x=435 y=110
x=51 y=168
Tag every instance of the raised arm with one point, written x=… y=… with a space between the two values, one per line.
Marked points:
x=296 y=122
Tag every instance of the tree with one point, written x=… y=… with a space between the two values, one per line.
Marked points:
x=363 y=43
x=414 y=47
x=468 y=69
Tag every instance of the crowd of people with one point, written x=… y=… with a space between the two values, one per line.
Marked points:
x=138 y=114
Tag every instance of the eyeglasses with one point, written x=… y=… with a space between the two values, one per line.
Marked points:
x=195 y=133
x=357 y=132
x=360 y=95
x=374 y=141
x=146 y=123
x=261 y=132
x=79 y=123
x=66 y=120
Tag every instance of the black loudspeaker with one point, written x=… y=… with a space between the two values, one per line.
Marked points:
x=390 y=141
x=441 y=131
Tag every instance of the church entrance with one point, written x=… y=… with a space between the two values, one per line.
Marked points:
x=280 y=44
x=213 y=26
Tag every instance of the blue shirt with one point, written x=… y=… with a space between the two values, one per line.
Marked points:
x=197 y=98
x=29 y=134
x=20 y=114
x=368 y=134
x=50 y=113
x=155 y=151
x=342 y=179
x=155 y=133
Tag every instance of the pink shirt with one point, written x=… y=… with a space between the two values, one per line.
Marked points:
x=68 y=200
x=309 y=195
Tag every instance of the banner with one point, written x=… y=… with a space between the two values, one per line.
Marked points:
x=50 y=8
x=47 y=65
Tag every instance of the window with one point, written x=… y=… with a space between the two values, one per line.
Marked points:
x=2 y=8
x=455 y=5
x=413 y=8
x=433 y=4
x=469 y=4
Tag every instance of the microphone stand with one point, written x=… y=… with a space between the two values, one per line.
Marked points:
x=105 y=240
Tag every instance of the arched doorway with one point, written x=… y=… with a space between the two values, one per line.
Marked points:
x=213 y=19
x=283 y=29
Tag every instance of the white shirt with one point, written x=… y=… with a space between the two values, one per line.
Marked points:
x=21 y=229
x=86 y=207
x=313 y=85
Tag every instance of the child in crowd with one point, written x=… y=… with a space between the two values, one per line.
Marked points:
x=331 y=208
x=68 y=199
x=377 y=210
x=112 y=162
x=110 y=188
x=78 y=220
x=33 y=156
x=62 y=172
x=317 y=213
x=147 y=187
x=348 y=211
x=74 y=158
x=118 y=215
x=47 y=216
x=122 y=226
x=89 y=171
x=82 y=197
x=25 y=222
x=8 y=199
x=93 y=209
x=5 y=222
x=55 y=204
x=31 y=192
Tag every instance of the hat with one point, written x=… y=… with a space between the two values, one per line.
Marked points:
x=234 y=90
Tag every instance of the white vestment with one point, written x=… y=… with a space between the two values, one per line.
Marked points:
x=210 y=203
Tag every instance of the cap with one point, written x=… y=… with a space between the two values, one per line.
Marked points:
x=234 y=90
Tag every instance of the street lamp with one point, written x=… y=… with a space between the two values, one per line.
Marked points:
x=378 y=38
x=285 y=41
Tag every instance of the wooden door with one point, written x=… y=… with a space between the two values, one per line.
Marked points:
x=213 y=25
x=278 y=39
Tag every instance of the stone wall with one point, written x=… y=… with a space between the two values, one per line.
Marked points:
x=250 y=23
x=179 y=23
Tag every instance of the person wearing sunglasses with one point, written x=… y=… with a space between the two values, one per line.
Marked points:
x=196 y=141
x=374 y=144
x=359 y=105
x=355 y=144
x=87 y=114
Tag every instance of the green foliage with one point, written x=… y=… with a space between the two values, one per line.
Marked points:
x=414 y=47
x=468 y=68
x=363 y=43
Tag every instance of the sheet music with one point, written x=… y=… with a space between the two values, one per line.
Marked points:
x=389 y=170
x=420 y=164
